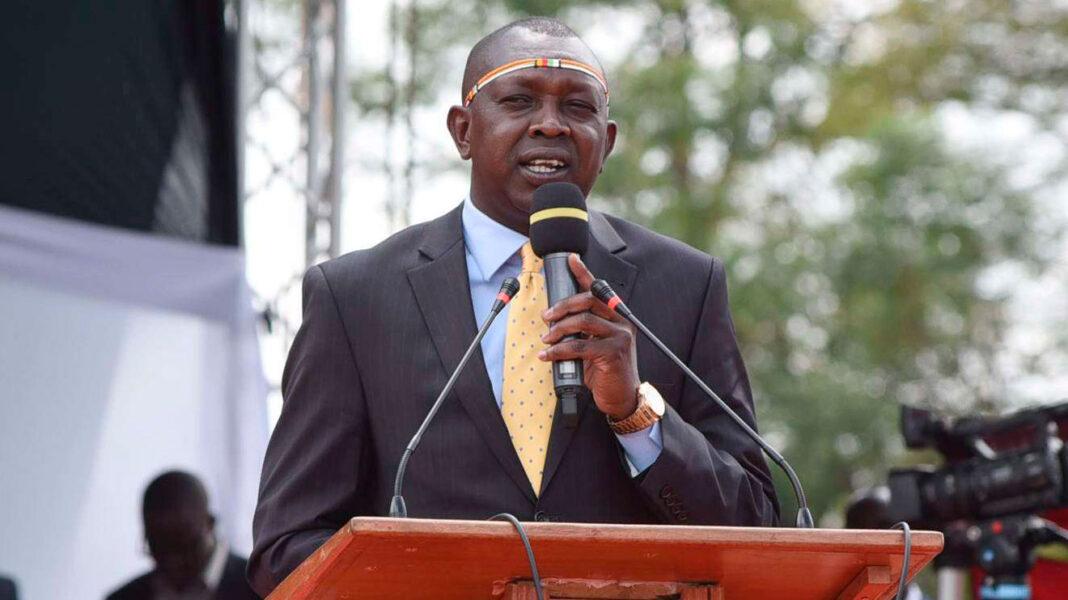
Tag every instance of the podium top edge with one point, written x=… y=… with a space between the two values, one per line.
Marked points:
x=824 y=539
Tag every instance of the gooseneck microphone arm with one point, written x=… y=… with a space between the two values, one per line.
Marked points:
x=504 y=296
x=604 y=293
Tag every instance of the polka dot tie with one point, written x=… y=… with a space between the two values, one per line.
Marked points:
x=528 y=400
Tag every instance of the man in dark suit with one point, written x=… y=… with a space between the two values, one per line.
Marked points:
x=383 y=329
x=191 y=563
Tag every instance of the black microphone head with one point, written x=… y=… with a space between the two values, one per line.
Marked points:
x=558 y=220
x=601 y=290
x=510 y=287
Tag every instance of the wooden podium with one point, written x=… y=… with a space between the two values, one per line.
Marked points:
x=470 y=560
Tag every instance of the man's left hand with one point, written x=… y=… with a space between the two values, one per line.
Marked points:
x=606 y=345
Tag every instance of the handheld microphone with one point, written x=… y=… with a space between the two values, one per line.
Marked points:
x=508 y=290
x=559 y=226
x=604 y=293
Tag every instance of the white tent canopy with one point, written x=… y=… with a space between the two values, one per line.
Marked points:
x=121 y=355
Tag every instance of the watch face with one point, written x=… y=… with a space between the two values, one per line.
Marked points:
x=653 y=399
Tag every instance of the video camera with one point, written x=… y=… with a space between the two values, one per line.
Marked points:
x=994 y=467
x=999 y=473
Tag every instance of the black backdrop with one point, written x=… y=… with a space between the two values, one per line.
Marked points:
x=121 y=113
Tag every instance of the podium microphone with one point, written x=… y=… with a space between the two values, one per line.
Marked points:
x=559 y=226
x=604 y=293
x=504 y=296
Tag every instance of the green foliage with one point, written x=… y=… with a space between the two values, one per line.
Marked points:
x=853 y=291
x=800 y=145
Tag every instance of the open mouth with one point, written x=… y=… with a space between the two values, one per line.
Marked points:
x=545 y=166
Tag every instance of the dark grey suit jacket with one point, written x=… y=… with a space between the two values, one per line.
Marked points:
x=232 y=585
x=384 y=327
x=8 y=591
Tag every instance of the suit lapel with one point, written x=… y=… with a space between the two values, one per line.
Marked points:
x=602 y=261
x=444 y=297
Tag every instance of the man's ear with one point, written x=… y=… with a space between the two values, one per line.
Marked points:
x=459 y=124
x=610 y=140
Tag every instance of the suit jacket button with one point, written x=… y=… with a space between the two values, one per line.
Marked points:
x=666 y=491
x=541 y=516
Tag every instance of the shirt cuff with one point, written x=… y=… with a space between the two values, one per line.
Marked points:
x=641 y=448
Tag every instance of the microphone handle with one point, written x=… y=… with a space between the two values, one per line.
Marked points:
x=397 y=507
x=567 y=374
x=804 y=515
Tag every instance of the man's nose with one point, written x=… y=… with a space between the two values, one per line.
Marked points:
x=548 y=122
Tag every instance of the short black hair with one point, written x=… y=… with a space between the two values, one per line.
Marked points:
x=549 y=26
x=172 y=491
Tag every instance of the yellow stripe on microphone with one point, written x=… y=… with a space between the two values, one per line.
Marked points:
x=552 y=213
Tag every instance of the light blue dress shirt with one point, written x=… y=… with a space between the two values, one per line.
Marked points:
x=492 y=252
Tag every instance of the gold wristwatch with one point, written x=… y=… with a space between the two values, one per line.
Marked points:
x=650 y=409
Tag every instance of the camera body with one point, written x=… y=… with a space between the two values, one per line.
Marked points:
x=1014 y=482
x=977 y=482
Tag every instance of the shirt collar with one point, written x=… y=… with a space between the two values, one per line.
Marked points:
x=488 y=242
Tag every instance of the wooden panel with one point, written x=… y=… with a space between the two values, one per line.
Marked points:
x=702 y=592
x=589 y=589
x=522 y=590
x=302 y=582
x=465 y=560
x=869 y=584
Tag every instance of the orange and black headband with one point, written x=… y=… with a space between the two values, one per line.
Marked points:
x=536 y=63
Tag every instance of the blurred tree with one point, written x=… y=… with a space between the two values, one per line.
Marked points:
x=426 y=38
x=798 y=140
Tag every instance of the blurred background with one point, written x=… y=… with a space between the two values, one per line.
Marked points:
x=887 y=182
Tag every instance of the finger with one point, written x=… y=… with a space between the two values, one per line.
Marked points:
x=579 y=303
x=582 y=275
x=579 y=349
x=586 y=322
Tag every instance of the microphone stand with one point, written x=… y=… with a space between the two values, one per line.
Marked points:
x=397 y=507
x=604 y=293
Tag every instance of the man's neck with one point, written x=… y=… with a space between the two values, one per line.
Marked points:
x=520 y=223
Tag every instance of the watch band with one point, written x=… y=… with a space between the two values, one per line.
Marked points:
x=649 y=400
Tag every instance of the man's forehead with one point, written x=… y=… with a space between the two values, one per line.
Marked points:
x=573 y=81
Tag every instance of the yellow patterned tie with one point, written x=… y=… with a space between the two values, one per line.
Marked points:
x=528 y=400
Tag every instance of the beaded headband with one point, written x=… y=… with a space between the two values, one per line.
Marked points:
x=536 y=63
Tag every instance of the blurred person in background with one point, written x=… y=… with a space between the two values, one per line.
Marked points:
x=8 y=591
x=192 y=563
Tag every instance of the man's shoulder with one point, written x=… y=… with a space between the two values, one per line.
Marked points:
x=647 y=248
x=138 y=588
x=7 y=589
x=399 y=252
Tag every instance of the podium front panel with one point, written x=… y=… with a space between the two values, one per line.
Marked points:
x=467 y=560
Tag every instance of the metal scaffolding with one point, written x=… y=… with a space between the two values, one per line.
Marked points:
x=318 y=99
x=293 y=83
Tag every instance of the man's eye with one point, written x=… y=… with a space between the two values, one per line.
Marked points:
x=516 y=101
x=582 y=107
